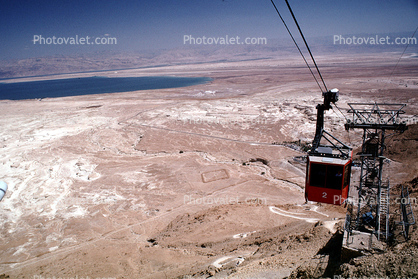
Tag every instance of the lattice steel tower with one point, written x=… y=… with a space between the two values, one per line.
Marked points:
x=373 y=191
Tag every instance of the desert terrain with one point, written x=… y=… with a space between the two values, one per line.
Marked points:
x=203 y=181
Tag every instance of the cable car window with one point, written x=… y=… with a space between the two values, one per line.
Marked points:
x=318 y=173
x=347 y=173
x=334 y=177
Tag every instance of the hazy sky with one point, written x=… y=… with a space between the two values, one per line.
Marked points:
x=156 y=24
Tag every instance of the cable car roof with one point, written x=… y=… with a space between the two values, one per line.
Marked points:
x=328 y=160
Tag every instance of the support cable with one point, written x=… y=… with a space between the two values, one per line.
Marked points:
x=296 y=44
x=401 y=55
x=307 y=46
x=340 y=111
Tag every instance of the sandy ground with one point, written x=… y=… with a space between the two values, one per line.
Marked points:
x=189 y=182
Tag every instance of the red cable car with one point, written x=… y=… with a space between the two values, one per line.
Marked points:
x=328 y=168
x=328 y=179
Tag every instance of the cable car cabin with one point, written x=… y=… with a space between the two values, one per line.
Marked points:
x=327 y=179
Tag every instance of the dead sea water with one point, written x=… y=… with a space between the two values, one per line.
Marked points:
x=91 y=85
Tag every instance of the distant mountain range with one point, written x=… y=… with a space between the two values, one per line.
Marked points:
x=193 y=54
